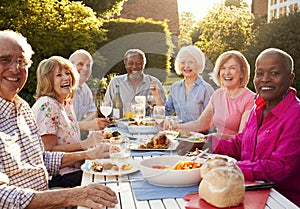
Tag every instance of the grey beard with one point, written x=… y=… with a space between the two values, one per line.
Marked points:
x=138 y=76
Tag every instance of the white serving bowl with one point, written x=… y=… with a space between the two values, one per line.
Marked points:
x=169 y=178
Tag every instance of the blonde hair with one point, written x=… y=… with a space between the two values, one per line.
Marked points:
x=45 y=76
x=195 y=53
x=240 y=58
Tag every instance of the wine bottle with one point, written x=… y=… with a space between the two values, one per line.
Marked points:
x=118 y=105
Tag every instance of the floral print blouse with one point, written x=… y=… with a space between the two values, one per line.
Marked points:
x=57 y=119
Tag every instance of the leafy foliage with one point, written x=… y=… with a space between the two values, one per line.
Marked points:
x=236 y=3
x=105 y=8
x=282 y=33
x=52 y=27
x=186 y=24
x=224 y=28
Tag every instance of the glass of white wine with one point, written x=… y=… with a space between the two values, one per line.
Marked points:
x=106 y=108
x=171 y=127
x=159 y=113
x=119 y=153
x=138 y=112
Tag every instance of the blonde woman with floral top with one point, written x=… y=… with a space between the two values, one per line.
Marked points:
x=56 y=120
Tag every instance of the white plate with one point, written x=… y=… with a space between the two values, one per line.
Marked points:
x=230 y=159
x=134 y=129
x=142 y=129
x=86 y=167
x=171 y=148
x=193 y=138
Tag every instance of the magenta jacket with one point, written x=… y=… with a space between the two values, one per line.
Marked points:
x=271 y=152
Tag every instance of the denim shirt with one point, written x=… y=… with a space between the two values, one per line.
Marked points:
x=188 y=107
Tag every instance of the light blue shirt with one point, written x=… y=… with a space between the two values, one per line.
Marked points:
x=188 y=107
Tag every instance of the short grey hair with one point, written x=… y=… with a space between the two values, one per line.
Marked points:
x=287 y=60
x=78 y=52
x=20 y=40
x=195 y=53
x=135 y=52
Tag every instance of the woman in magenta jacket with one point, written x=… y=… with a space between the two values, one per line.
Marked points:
x=268 y=149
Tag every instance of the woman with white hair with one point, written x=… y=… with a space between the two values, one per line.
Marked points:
x=189 y=96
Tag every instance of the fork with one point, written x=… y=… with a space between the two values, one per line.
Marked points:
x=204 y=152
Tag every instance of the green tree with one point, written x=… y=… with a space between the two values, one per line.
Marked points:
x=224 y=28
x=105 y=8
x=236 y=3
x=52 y=27
x=187 y=23
x=282 y=33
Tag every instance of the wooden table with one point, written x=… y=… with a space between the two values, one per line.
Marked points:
x=127 y=199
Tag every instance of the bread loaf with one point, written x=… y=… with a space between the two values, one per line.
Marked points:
x=222 y=183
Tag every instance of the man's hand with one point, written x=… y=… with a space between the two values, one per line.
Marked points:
x=96 y=196
x=155 y=90
x=93 y=195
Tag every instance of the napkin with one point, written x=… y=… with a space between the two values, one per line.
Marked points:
x=255 y=199
x=144 y=191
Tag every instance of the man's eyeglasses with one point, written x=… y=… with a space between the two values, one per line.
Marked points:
x=7 y=61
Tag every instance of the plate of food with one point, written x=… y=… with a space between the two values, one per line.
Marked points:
x=146 y=126
x=107 y=167
x=158 y=142
x=191 y=137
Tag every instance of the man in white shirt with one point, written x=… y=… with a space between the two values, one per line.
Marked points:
x=83 y=102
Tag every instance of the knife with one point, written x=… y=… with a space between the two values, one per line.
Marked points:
x=251 y=187
x=122 y=181
x=266 y=185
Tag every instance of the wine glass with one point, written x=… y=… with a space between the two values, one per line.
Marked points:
x=159 y=114
x=106 y=108
x=138 y=112
x=171 y=127
x=140 y=99
x=119 y=152
x=151 y=103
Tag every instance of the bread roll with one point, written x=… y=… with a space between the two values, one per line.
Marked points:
x=222 y=183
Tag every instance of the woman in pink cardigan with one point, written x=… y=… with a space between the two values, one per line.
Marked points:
x=230 y=105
